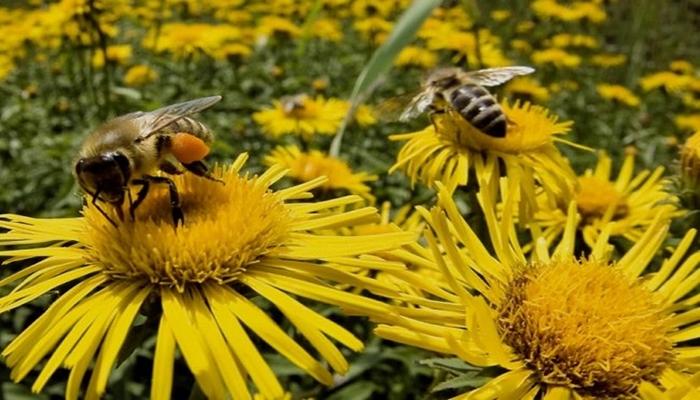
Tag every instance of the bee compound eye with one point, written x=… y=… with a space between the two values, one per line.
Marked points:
x=123 y=163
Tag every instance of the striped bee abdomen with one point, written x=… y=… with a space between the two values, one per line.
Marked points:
x=478 y=107
x=191 y=126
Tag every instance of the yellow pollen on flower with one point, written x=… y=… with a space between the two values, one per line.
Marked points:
x=595 y=195
x=587 y=326
x=227 y=227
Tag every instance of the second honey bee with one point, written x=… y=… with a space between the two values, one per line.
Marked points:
x=465 y=92
x=127 y=150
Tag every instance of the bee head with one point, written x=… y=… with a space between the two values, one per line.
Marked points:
x=105 y=175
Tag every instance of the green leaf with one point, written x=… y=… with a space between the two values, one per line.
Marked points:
x=468 y=380
x=359 y=390
x=403 y=33
x=454 y=365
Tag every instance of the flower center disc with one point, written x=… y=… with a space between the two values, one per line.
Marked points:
x=596 y=195
x=585 y=326
x=227 y=227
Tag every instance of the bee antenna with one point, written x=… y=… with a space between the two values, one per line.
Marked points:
x=97 y=206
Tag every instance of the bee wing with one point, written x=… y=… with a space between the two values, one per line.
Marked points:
x=403 y=107
x=497 y=76
x=162 y=117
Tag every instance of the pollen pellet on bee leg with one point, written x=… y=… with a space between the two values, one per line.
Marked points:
x=188 y=148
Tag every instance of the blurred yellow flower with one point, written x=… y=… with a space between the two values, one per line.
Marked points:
x=682 y=67
x=302 y=115
x=524 y=26
x=117 y=54
x=327 y=29
x=570 y=12
x=670 y=81
x=139 y=75
x=521 y=45
x=237 y=235
x=690 y=122
x=362 y=9
x=608 y=60
x=271 y=26
x=6 y=66
x=450 y=148
x=192 y=40
x=563 y=40
x=556 y=326
x=690 y=162
x=500 y=15
x=416 y=56
x=307 y=166
x=623 y=206
x=556 y=57
x=618 y=93
x=364 y=115
x=464 y=45
x=373 y=29
x=527 y=87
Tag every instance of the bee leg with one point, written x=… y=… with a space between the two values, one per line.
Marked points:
x=140 y=196
x=199 y=168
x=169 y=168
x=95 y=197
x=432 y=115
x=178 y=216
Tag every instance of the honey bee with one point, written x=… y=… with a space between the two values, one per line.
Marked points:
x=293 y=103
x=453 y=89
x=128 y=149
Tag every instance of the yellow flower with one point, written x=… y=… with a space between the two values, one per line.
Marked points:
x=464 y=45
x=524 y=26
x=682 y=67
x=139 y=75
x=624 y=206
x=307 y=166
x=608 y=60
x=271 y=26
x=500 y=15
x=191 y=40
x=521 y=45
x=556 y=57
x=668 y=80
x=527 y=86
x=370 y=8
x=449 y=149
x=239 y=234
x=618 y=93
x=416 y=56
x=364 y=115
x=117 y=54
x=327 y=29
x=557 y=326
x=571 y=12
x=6 y=66
x=690 y=122
x=564 y=85
x=302 y=115
x=373 y=29
x=690 y=162
x=569 y=40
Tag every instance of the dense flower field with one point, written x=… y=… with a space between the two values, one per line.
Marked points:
x=332 y=249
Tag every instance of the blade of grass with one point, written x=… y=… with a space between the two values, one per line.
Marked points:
x=380 y=63
x=306 y=28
